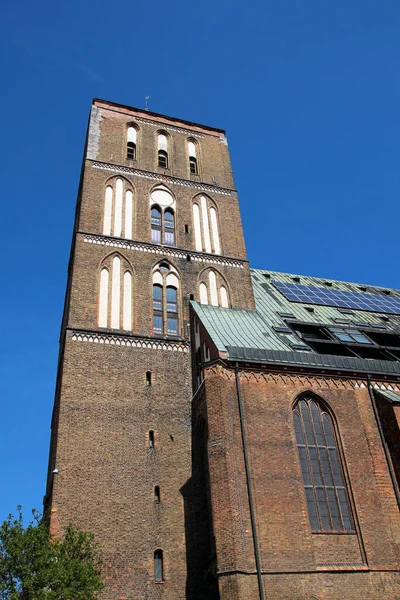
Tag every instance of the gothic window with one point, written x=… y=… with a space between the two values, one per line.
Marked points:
x=131 y=143
x=169 y=227
x=162 y=150
x=213 y=290
x=162 y=205
x=118 y=209
x=158 y=565
x=206 y=231
x=157 y=308
x=156 y=225
x=325 y=488
x=115 y=295
x=192 y=158
x=165 y=300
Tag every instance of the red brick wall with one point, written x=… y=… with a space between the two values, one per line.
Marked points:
x=286 y=542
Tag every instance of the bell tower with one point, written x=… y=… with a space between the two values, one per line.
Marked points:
x=157 y=224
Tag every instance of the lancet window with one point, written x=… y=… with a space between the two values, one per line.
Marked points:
x=206 y=230
x=165 y=300
x=322 y=471
x=115 y=294
x=118 y=209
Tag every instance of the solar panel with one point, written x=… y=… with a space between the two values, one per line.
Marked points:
x=298 y=292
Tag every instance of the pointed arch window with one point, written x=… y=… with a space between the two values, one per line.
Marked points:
x=169 y=227
x=156 y=225
x=165 y=300
x=323 y=479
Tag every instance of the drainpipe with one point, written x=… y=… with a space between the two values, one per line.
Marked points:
x=387 y=454
x=248 y=482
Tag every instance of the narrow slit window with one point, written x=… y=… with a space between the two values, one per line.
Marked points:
x=324 y=485
x=151 y=439
x=148 y=378
x=157 y=493
x=193 y=165
x=158 y=565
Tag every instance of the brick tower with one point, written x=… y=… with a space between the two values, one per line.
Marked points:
x=157 y=225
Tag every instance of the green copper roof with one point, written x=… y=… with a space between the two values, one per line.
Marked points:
x=252 y=335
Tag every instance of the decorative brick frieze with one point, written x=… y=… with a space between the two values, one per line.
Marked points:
x=94 y=337
x=205 y=187
x=299 y=380
x=160 y=125
x=160 y=250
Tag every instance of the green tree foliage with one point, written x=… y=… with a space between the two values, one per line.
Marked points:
x=37 y=566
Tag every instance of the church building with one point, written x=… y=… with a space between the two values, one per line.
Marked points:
x=226 y=433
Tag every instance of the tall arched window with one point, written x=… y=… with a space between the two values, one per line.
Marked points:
x=192 y=158
x=162 y=150
x=206 y=231
x=165 y=300
x=115 y=294
x=131 y=143
x=169 y=227
x=155 y=225
x=158 y=566
x=118 y=209
x=325 y=488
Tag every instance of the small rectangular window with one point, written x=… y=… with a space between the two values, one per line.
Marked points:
x=148 y=378
x=158 y=565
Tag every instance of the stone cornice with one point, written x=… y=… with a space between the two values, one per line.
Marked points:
x=205 y=187
x=128 y=341
x=166 y=251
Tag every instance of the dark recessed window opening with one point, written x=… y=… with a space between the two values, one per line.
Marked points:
x=328 y=283
x=362 y=288
x=186 y=228
x=193 y=165
x=309 y=308
x=151 y=439
x=310 y=331
x=386 y=292
x=191 y=296
x=188 y=258
x=131 y=151
x=267 y=276
x=322 y=472
x=296 y=278
x=157 y=494
x=163 y=159
x=158 y=565
x=148 y=378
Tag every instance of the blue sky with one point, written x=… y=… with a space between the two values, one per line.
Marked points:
x=309 y=95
